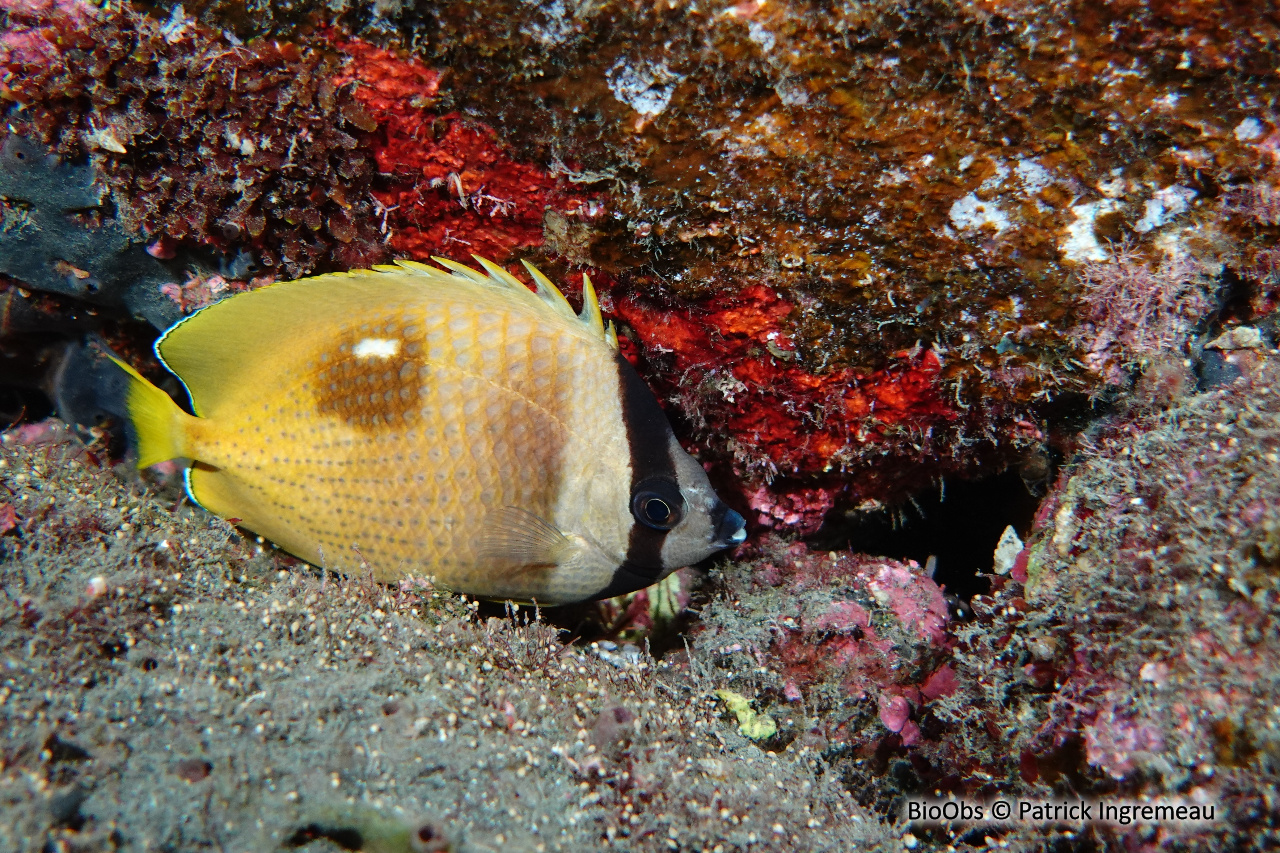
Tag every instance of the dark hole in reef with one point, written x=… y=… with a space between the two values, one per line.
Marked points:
x=1235 y=298
x=61 y=750
x=345 y=837
x=64 y=809
x=959 y=525
x=22 y=405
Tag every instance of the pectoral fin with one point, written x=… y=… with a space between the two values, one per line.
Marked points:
x=515 y=537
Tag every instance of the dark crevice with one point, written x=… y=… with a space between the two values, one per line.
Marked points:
x=959 y=525
x=344 y=837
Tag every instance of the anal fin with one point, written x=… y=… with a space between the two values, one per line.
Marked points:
x=212 y=490
x=225 y=495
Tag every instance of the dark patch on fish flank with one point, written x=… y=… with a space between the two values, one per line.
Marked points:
x=372 y=393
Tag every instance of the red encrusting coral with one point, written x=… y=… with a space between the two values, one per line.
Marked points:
x=449 y=186
x=320 y=154
x=732 y=352
x=798 y=508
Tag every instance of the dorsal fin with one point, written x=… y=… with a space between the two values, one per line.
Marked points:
x=205 y=349
x=547 y=294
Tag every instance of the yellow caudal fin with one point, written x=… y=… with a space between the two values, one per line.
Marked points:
x=159 y=424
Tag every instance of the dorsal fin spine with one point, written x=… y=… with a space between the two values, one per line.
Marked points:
x=462 y=270
x=547 y=294
x=591 y=307
x=498 y=273
x=415 y=266
x=501 y=278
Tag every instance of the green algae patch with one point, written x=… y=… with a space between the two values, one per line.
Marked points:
x=752 y=724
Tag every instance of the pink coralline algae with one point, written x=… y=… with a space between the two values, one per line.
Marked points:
x=1115 y=742
x=895 y=713
x=801 y=509
x=942 y=682
x=916 y=600
x=200 y=290
x=843 y=617
x=31 y=38
x=851 y=629
x=50 y=433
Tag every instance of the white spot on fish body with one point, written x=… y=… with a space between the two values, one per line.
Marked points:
x=382 y=348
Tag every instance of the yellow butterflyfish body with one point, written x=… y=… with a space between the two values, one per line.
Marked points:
x=449 y=423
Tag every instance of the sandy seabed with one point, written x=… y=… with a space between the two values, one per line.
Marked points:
x=167 y=686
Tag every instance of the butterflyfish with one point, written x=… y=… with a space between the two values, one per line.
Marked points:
x=444 y=422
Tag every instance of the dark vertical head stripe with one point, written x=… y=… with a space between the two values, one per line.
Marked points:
x=649 y=438
x=648 y=430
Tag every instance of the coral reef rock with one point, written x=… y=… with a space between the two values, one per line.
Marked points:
x=1132 y=649
x=857 y=246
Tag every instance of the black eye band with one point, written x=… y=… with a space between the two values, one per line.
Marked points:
x=657 y=503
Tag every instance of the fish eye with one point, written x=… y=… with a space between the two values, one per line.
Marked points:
x=657 y=503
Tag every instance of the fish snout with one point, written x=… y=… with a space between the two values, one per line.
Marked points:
x=730 y=527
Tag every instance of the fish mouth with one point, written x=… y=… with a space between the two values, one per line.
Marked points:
x=730 y=527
